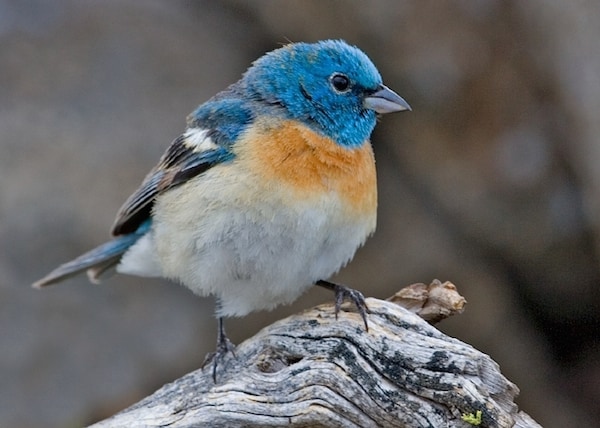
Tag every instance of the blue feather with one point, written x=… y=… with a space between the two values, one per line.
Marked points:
x=97 y=260
x=226 y=116
x=294 y=82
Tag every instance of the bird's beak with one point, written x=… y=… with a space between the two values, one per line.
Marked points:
x=384 y=100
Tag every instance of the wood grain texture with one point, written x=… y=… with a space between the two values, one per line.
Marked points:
x=311 y=370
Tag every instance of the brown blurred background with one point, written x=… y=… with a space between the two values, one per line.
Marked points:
x=491 y=182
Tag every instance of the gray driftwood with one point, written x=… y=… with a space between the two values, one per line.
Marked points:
x=311 y=370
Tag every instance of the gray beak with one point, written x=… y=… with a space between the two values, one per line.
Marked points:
x=384 y=100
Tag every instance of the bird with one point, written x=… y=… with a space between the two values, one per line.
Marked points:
x=270 y=189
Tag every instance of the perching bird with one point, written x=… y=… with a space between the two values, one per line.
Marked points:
x=270 y=190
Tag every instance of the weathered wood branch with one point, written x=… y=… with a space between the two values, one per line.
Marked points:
x=311 y=370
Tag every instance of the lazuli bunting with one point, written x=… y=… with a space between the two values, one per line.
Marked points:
x=270 y=190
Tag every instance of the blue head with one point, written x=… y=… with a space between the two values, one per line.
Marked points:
x=331 y=86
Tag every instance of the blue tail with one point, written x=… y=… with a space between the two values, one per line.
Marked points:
x=96 y=261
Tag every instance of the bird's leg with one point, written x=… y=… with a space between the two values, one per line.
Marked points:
x=342 y=292
x=224 y=345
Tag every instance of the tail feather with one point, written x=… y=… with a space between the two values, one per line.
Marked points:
x=95 y=261
x=96 y=273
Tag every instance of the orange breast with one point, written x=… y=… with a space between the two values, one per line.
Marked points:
x=292 y=155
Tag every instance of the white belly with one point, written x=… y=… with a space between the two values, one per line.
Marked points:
x=252 y=248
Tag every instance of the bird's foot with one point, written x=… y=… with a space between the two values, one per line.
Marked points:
x=224 y=346
x=341 y=293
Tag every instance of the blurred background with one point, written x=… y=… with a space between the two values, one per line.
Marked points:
x=492 y=182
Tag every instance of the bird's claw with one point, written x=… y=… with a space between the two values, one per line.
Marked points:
x=342 y=293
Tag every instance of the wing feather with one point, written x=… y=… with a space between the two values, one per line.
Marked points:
x=183 y=160
x=213 y=128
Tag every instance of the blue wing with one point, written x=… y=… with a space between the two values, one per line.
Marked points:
x=179 y=163
x=214 y=128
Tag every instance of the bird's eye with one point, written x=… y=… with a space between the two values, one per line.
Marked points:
x=340 y=82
